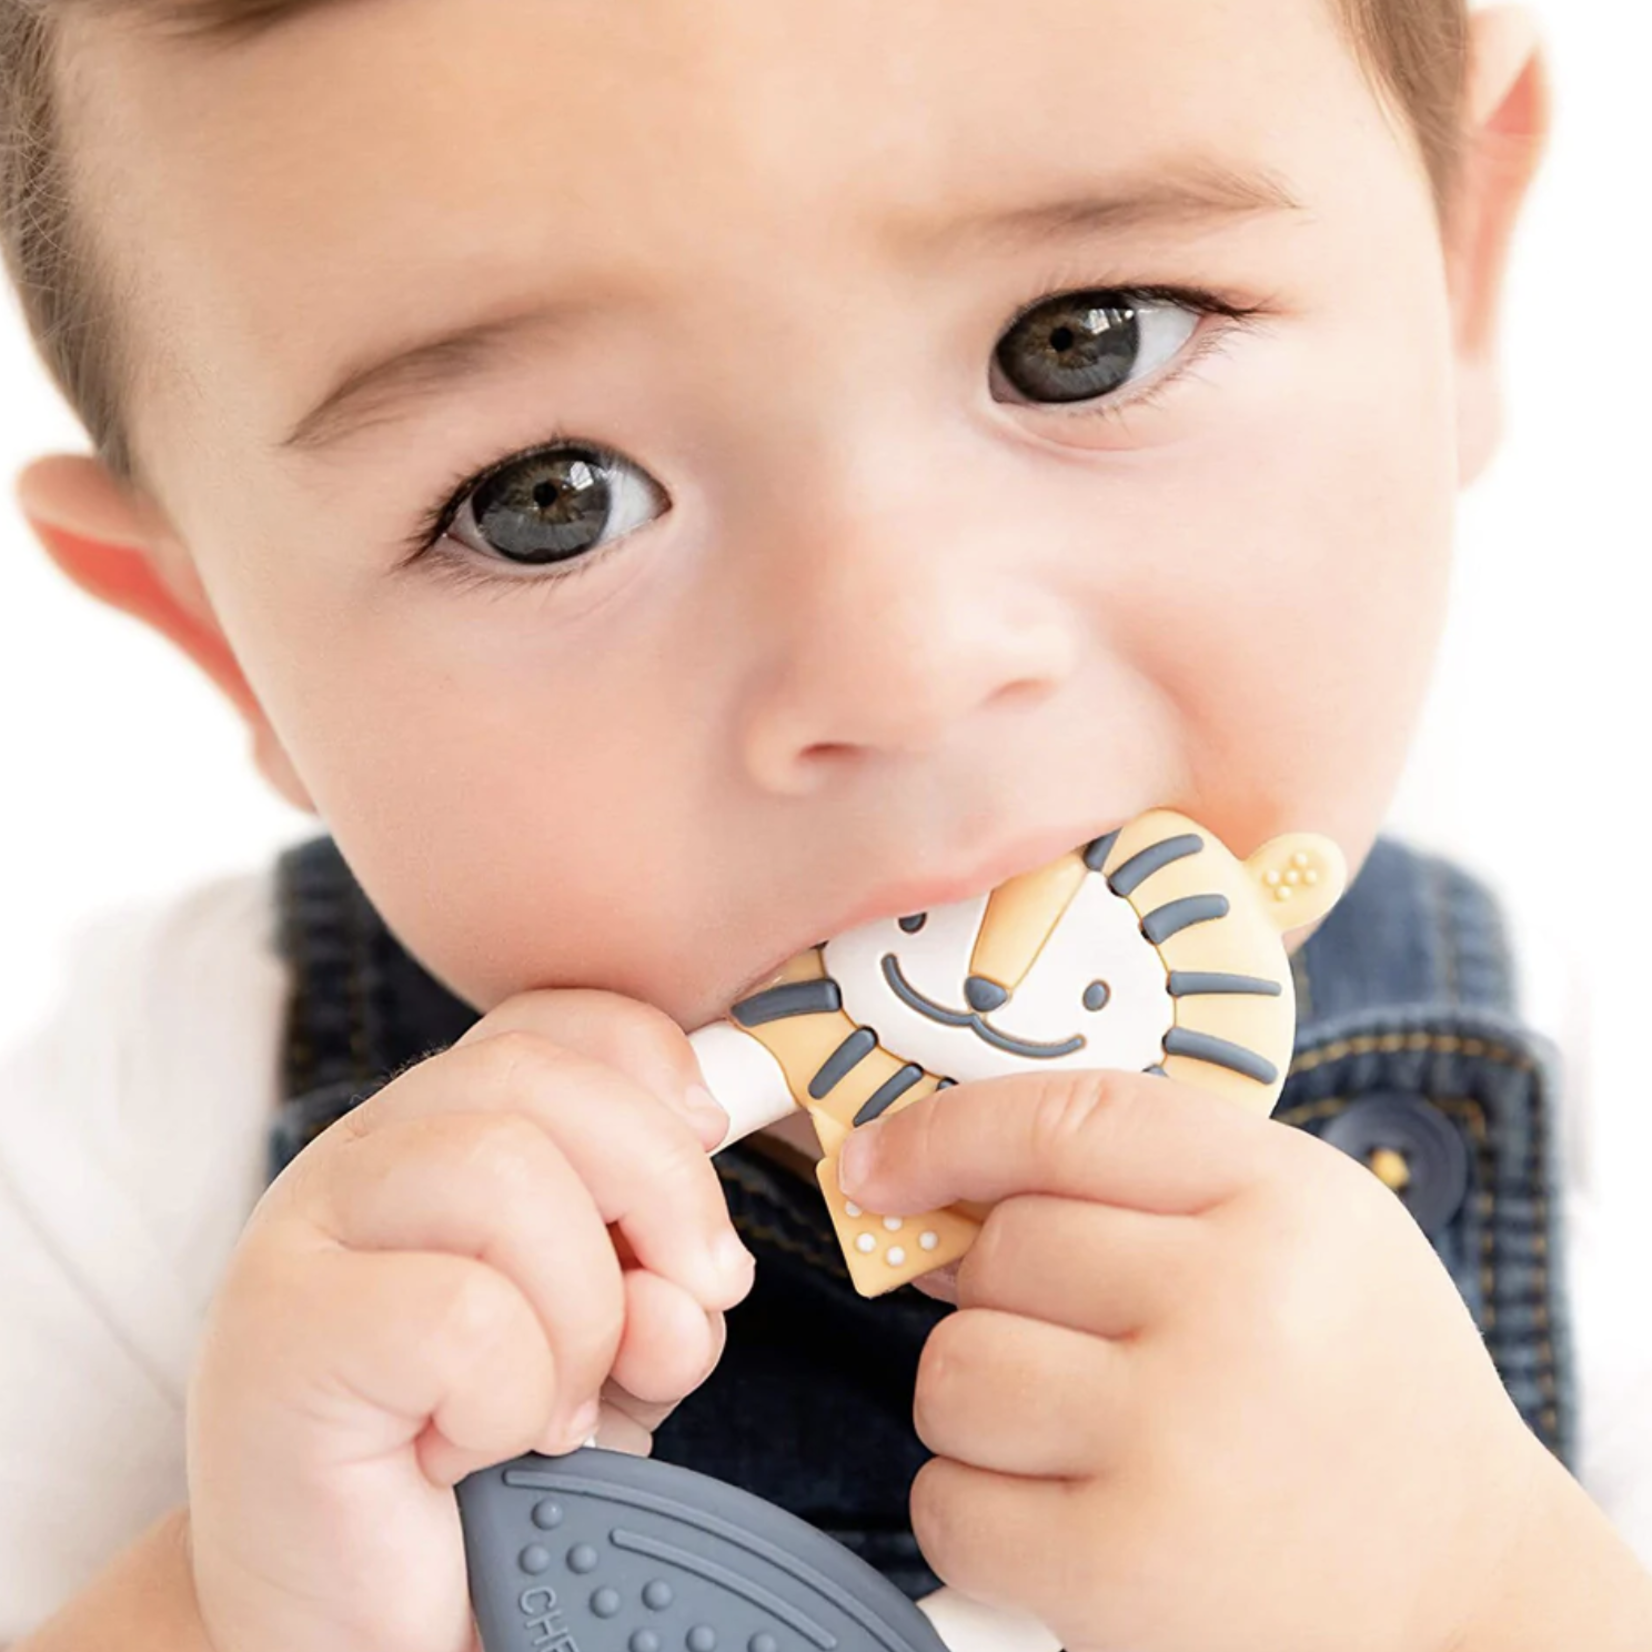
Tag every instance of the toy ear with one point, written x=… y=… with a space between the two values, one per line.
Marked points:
x=1299 y=876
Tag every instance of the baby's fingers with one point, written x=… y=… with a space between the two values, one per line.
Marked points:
x=1086 y=1133
x=668 y=1347
x=989 y=1535
x=1020 y=1396
x=645 y=1166
x=637 y=1039
x=377 y=1351
x=498 y=1189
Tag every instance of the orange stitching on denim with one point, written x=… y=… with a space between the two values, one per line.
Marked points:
x=1487 y=1203
x=831 y=1260
x=737 y=1172
x=1390 y=1043
x=785 y=1242
x=1450 y=1044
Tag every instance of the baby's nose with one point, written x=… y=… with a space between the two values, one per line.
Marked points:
x=984 y=995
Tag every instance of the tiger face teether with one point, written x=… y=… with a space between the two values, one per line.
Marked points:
x=1154 y=948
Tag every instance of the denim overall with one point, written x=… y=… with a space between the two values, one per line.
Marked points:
x=1409 y=1056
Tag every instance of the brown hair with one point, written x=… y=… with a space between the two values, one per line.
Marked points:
x=1413 y=51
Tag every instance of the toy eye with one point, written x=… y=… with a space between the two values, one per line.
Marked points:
x=1096 y=995
x=913 y=924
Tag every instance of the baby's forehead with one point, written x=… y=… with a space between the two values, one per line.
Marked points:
x=305 y=117
x=367 y=165
x=770 y=71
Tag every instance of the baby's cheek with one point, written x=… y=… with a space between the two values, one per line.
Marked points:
x=1292 y=604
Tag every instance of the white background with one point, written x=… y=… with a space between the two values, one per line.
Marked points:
x=127 y=777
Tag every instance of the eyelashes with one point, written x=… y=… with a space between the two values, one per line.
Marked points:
x=432 y=544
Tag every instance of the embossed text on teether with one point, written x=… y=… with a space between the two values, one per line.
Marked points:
x=544 y=1620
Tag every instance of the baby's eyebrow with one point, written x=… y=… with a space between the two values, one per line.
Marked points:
x=389 y=387
x=214 y=25
x=1189 y=190
x=1194 y=191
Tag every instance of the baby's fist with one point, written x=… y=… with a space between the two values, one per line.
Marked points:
x=459 y=1270
x=1208 y=1384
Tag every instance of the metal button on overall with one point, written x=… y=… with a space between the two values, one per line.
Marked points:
x=1412 y=1146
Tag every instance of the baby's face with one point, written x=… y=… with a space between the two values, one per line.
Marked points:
x=880 y=494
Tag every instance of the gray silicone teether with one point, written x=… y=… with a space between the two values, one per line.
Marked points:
x=600 y=1551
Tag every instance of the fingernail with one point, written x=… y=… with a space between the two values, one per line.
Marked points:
x=582 y=1426
x=703 y=1108
x=725 y=1274
x=858 y=1158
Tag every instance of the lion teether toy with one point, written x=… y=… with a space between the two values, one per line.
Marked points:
x=1153 y=948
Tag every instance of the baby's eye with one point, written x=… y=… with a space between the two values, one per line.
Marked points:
x=554 y=505
x=913 y=924
x=1096 y=995
x=1078 y=346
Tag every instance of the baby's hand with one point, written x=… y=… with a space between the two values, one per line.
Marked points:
x=453 y=1273
x=1208 y=1384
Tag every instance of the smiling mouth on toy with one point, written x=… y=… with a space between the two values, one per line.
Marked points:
x=913 y=999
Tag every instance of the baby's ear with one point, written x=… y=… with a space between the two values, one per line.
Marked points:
x=1299 y=876
x=113 y=543
x=1507 y=119
x=116 y=545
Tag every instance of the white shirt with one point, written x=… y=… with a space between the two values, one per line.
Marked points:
x=133 y=1129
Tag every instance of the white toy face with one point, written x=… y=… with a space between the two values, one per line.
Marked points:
x=1097 y=995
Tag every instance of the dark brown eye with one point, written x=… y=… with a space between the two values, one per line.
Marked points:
x=1078 y=346
x=916 y=922
x=554 y=506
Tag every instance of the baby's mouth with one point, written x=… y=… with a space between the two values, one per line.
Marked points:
x=1031 y=854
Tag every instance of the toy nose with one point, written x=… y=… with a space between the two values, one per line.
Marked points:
x=984 y=995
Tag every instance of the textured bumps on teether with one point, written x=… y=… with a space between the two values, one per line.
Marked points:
x=599 y=1551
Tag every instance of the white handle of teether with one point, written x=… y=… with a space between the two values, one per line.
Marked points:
x=745 y=1080
x=750 y=1087
x=968 y=1626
